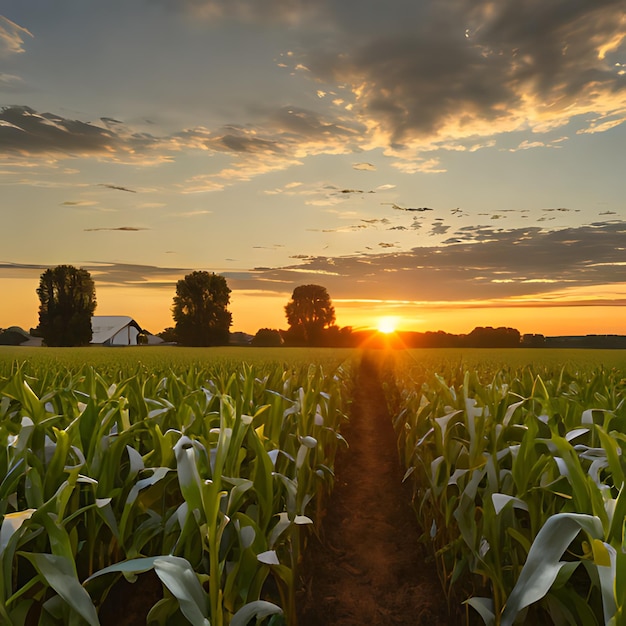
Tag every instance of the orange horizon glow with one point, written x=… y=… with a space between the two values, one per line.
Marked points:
x=151 y=308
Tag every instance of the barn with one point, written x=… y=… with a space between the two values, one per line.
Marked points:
x=115 y=330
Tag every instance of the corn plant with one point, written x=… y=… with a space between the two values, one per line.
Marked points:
x=518 y=486
x=203 y=474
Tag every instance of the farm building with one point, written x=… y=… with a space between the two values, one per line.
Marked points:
x=15 y=336
x=116 y=330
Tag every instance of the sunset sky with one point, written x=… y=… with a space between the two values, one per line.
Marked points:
x=449 y=163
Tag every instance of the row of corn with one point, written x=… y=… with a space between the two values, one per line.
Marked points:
x=518 y=477
x=204 y=476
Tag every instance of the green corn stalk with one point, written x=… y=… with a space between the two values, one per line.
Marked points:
x=491 y=463
x=142 y=462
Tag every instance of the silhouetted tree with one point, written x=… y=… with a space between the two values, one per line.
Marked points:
x=199 y=310
x=267 y=338
x=489 y=337
x=531 y=340
x=168 y=335
x=309 y=312
x=67 y=298
x=336 y=337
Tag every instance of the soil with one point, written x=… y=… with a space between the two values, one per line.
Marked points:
x=367 y=565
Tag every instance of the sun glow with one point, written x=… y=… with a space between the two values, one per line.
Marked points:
x=387 y=325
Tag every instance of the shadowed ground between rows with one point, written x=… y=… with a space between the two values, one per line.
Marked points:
x=367 y=565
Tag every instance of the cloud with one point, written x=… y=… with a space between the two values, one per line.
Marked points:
x=428 y=73
x=193 y=213
x=408 y=77
x=413 y=165
x=482 y=263
x=129 y=274
x=292 y=12
x=11 y=38
x=281 y=140
x=106 y=274
x=25 y=132
x=130 y=229
x=438 y=228
x=9 y=82
x=324 y=193
x=397 y=207
x=78 y=203
x=243 y=169
x=603 y=124
x=116 y=187
x=527 y=145
x=289 y=130
x=364 y=167
x=286 y=135
x=520 y=266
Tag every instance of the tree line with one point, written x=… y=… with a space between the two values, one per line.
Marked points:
x=67 y=297
x=201 y=317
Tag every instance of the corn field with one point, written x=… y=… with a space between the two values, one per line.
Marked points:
x=518 y=478
x=204 y=474
x=208 y=470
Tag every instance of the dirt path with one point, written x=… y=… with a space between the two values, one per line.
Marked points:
x=369 y=567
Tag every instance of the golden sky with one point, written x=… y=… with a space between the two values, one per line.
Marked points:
x=452 y=164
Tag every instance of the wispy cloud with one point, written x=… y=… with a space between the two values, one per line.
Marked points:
x=129 y=229
x=11 y=37
x=25 y=132
x=326 y=194
x=79 y=203
x=195 y=213
x=287 y=136
x=605 y=123
x=10 y=82
x=364 y=167
x=116 y=187
x=484 y=263
x=412 y=165
x=514 y=266
x=292 y=12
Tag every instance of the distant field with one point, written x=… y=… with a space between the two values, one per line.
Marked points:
x=104 y=359
x=436 y=359
x=491 y=360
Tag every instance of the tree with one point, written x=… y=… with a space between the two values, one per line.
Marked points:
x=489 y=337
x=309 y=312
x=168 y=335
x=67 y=298
x=267 y=338
x=199 y=310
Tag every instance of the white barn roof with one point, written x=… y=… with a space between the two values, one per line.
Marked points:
x=119 y=330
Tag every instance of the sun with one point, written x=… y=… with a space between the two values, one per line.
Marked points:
x=387 y=325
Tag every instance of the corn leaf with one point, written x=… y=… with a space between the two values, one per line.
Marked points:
x=484 y=607
x=543 y=563
x=178 y=576
x=259 y=609
x=60 y=573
